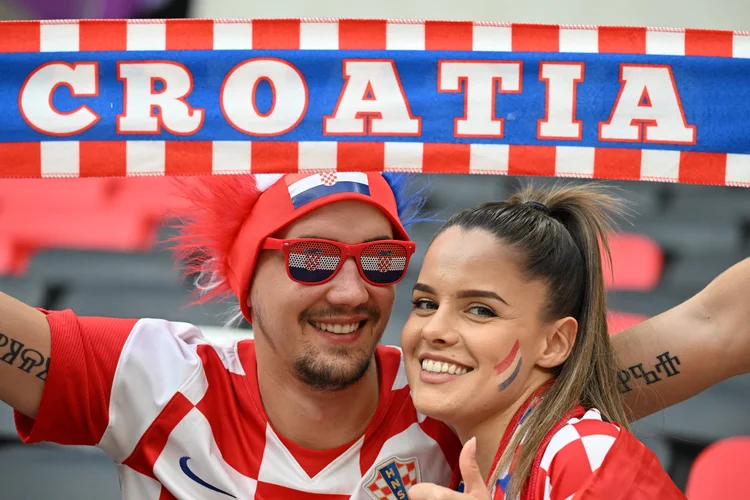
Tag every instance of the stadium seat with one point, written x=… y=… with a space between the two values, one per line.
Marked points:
x=619 y=321
x=80 y=268
x=711 y=208
x=709 y=202
x=691 y=273
x=153 y=198
x=637 y=262
x=25 y=289
x=720 y=471
x=644 y=199
x=135 y=302
x=7 y=426
x=32 y=472
x=94 y=228
x=719 y=412
x=45 y=195
x=645 y=303
x=450 y=193
x=677 y=234
x=9 y=257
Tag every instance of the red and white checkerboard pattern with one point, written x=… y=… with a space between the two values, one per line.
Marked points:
x=133 y=158
x=575 y=452
x=159 y=392
x=159 y=158
x=328 y=178
x=363 y=34
x=380 y=489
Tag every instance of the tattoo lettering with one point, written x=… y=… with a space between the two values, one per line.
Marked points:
x=666 y=365
x=649 y=376
x=43 y=374
x=624 y=377
x=15 y=349
x=30 y=359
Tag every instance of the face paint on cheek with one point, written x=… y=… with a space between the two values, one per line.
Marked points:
x=506 y=362
x=505 y=383
x=503 y=365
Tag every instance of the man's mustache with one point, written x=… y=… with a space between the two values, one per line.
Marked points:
x=372 y=313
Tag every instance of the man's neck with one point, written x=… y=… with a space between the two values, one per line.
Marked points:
x=316 y=419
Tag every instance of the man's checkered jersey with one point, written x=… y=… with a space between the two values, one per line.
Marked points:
x=182 y=418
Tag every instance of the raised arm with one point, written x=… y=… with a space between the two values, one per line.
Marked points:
x=24 y=355
x=680 y=353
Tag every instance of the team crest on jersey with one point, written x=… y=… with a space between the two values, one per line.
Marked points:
x=393 y=478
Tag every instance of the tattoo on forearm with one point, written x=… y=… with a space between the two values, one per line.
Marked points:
x=667 y=366
x=24 y=358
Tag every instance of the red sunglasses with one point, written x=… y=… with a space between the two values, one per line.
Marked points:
x=313 y=261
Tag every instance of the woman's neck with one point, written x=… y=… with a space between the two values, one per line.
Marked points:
x=490 y=431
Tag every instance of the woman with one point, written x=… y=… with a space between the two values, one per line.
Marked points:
x=508 y=343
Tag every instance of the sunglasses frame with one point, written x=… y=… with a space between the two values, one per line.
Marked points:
x=354 y=251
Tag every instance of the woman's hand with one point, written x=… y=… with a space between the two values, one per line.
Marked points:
x=474 y=487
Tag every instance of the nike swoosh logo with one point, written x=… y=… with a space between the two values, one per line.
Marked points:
x=191 y=475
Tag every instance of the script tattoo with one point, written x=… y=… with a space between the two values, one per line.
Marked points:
x=24 y=358
x=667 y=365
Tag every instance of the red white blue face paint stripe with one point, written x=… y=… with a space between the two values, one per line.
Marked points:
x=506 y=363
x=314 y=186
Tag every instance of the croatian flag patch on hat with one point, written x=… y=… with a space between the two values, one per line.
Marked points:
x=304 y=189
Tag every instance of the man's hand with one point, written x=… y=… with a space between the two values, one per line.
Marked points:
x=474 y=487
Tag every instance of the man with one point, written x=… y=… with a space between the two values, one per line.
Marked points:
x=312 y=407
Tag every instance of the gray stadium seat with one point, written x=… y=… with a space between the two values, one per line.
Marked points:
x=719 y=412
x=691 y=273
x=125 y=302
x=676 y=234
x=643 y=198
x=657 y=444
x=26 y=290
x=450 y=193
x=7 y=427
x=88 y=267
x=34 y=472
x=649 y=304
x=726 y=204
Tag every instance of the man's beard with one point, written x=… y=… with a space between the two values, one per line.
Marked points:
x=319 y=373
x=313 y=367
x=334 y=369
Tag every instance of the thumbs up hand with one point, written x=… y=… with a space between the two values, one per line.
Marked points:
x=474 y=487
